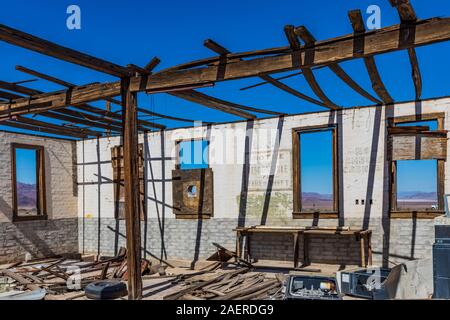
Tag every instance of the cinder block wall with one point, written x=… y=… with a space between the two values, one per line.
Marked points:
x=363 y=172
x=58 y=234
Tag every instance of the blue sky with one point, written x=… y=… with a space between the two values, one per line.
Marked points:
x=135 y=31
x=26 y=166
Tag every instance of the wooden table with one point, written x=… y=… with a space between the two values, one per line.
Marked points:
x=363 y=236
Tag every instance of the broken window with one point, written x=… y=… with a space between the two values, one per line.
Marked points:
x=315 y=182
x=28 y=182
x=418 y=150
x=118 y=178
x=193 y=154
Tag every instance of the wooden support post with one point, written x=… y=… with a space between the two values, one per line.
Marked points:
x=131 y=183
x=295 y=249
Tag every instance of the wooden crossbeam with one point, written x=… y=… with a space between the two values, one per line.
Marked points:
x=85 y=107
x=369 y=61
x=138 y=70
x=336 y=50
x=407 y=15
x=309 y=39
x=80 y=132
x=156 y=114
x=292 y=38
x=9 y=95
x=405 y=9
x=24 y=126
x=48 y=48
x=152 y=64
x=205 y=100
x=76 y=120
x=214 y=46
x=290 y=90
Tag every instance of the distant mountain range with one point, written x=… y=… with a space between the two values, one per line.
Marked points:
x=419 y=195
x=315 y=196
x=408 y=195
x=26 y=194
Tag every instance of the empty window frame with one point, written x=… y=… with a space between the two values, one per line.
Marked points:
x=315 y=171
x=28 y=182
x=417 y=185
x=192 y=154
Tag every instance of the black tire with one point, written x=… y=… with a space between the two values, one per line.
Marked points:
x=105 y=290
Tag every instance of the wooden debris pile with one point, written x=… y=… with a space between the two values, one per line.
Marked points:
x=238 y=284
x=62 y=275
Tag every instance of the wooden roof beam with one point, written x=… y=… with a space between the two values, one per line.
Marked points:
x=307 y=72
x=81 y=132
x=85 y=107
x=205 y=100
x=405 y=10
x=33 y=43
x=24 y=126
x=336 y=50
x=152 y=64
x=214 y=46
x=375 y=78
x=309 y=39
x=407 y=15
x=76 y=120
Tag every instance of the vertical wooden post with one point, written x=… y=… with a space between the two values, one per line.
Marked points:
x=131 y=187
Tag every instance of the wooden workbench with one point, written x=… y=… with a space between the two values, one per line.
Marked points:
x=363 y=236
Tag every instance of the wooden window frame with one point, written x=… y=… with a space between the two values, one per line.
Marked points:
x=119 y=183
x=177 y=150
x=394 y=213
x=40 y=175
x=298 y=213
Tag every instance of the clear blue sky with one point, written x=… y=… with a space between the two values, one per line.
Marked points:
x=26 y=166
x=135 y=31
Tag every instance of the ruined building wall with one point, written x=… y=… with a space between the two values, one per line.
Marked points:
x=58 y=234
x=362 y=171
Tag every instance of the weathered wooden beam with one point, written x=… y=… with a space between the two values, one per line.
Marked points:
x=407 y=15
x=292 y=38
x=138 y=70
x=290 y=90
x=334 y=50
x=76 y=132
x=202 y=99
x=156 y=114
x=76 y=120
x=405 y=9
x=369 y=61
x=131 y=184
x=214 y=46
x=415 y=72
x=309 y=39
x=9 y=95
x=24 y=126
x=85 y=107
x=48 y=48
x=152 y=64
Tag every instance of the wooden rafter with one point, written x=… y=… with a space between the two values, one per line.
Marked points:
x=152 y=64
x=214 y=46
x=85 y=107
x=369 y=61
x=76 y=120
x=45 y=129
x=307 y=72
x=407 y=15
x=205 y=100
x=309 y=39
x=48 y=48
x=81 y=132
x=159 y=115
x=335 y=50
